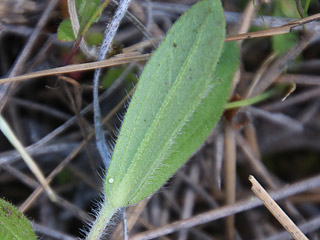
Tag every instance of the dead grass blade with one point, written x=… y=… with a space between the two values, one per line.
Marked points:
x=230 y=177
x=8 y=132
x=274 y=31
x=115 y=61
x=276 y=211
x=36 y=193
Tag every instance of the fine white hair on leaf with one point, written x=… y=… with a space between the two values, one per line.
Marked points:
x=102 y=174
x=110 y=180
x=96 y=206
x=120 y=116
x=117 y=128
x=116 y=133
x=112 y=144
x=126 y=105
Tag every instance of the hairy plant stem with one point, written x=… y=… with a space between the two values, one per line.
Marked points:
x=107 y=210
x=102 y=221
x=109 y=34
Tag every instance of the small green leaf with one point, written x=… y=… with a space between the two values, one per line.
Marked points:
x=86 y=9
x=178 y=101
x=13 y=225
x=282 y=43
x=65 y=32
x=286 y=8
x=113 y=73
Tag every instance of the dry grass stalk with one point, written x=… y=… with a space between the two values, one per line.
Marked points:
x=230 y=177
x=276 y=211
x=115 y=61
x=274 y=31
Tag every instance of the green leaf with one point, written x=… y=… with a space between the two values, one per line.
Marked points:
x=282 y=43
x=86 y=9
x=286 y=8
x=113 y=73
x=13 y=225
x=65 y=32
x=178 y=101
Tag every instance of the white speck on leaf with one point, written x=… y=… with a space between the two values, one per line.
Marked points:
x=110 y=180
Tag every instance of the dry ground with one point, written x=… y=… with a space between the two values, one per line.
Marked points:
x=276 y=141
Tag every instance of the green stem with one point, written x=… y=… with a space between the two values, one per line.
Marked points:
x=250 y=101
x=102 y=221
x=306 y=7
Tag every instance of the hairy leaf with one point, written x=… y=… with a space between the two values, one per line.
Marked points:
x=178 y=101
x=13 y=225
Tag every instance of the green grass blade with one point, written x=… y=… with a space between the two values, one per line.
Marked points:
x=168 y=105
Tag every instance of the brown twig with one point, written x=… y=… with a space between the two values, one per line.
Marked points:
x=306 y=227
x=115 y=61
x=276 y=211
x=274 y=31
x=230 y=176
x=36 y=193
x=18 y=66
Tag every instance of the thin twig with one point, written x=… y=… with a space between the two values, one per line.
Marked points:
x=115 y=61
x=276 y=211
x=243 y=28
x=219 y=154
x=41 y=108
x=274 y=31
x=255 y=163
x=8 y=132
x=293 y=100
x=307 y=227
x=278 y=118
x=133 y=214
x=250 y=134
x=200 y=191
x=20 y=175
x=48 y=231
x=189 y=200
x=230 y=176
x=108 y=37
x=39 y=147
x=301 y=79
x=18 y=66
x=124 y=224
x=135 y=22
x=34 y=150
x=36 y=193
x=277 y=67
